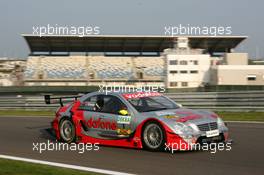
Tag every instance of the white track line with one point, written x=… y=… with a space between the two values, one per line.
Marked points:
x=62 y=165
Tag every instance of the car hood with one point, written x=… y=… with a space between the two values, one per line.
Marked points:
x=183 y=115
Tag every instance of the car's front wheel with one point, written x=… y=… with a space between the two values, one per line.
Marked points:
x=153 y=136
x=67 y=131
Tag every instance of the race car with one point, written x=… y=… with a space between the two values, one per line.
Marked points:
x=147 y=120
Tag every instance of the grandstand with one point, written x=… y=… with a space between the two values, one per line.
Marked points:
x=55 y=68
x=110 y=68
x=176 y=62
x=80 y=69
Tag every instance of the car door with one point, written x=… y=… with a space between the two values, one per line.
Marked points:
x=102 y=118
x=114 y=109
x=90 y=116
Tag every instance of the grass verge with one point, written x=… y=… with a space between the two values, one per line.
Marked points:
x=242 y=116
x=12 y=167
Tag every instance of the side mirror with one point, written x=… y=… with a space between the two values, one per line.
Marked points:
x=123 y=112
x=180 y=105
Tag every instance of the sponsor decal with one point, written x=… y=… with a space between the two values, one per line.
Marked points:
x=123 y=112
x=191 y=117
x=122 y=131
x=212 y=133
x=101 y=123
x=141 y=94
x=88 y=103
x=123 y=119
x=185 y=112
x=171 y=117
x=162 y=113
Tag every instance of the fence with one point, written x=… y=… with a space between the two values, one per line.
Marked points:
x=216 y=101
x=221 y=101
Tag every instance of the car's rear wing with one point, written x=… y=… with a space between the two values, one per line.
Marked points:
x=53 y=100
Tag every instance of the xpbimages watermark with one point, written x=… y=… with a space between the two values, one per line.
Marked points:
x=212 y=147
x=60 y=146
x=130 y=89
x=80 y=31
x=197 y=30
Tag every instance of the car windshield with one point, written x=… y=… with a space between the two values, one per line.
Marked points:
x=152 y=103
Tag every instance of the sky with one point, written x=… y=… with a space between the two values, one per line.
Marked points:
x=132 y=17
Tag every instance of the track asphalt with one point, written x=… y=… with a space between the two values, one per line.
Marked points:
x=246 y=156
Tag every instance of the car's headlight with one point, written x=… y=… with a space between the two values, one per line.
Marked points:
x=181 y=128
x=220 y=122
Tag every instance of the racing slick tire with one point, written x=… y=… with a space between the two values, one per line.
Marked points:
x=153 y=136
x=67 y=131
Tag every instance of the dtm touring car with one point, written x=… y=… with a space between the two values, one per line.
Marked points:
x=137 y=120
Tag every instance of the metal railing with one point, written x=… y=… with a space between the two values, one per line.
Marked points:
x=215 y=101
x=221 y=101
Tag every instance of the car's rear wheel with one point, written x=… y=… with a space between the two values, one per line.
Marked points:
x=153 y=136
x=67 y=131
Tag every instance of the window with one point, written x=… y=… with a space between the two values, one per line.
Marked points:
x=112 y=105
x=152 y=103
x=195 y=62
x=194 y=71
x=91 y=75
x=173 y=84
x=184 y=84
x=251 y=77
x=173 y=62
x=103 y=103
x=140 y=75
x=183 y=71
x=173 y=71
x=183 y=62
x=89 y=104
x=40 y=76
